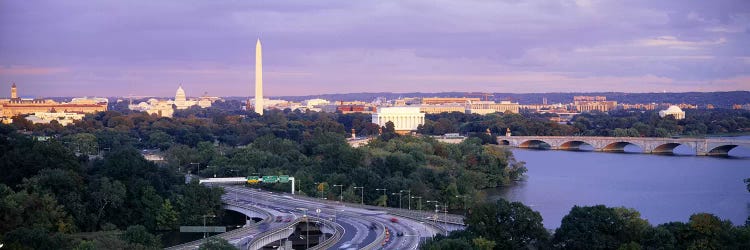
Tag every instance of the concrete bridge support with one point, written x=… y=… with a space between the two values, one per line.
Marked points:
x=647 y=145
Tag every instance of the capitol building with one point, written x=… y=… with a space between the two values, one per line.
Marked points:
x=166 y=108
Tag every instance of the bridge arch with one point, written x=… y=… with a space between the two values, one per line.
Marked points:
x=503 y=142
x=575 y=145
x=666 y=148
x=722 y=150
x=536 y=144
x=619 y=147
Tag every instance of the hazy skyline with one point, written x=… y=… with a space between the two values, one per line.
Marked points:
x=117 y=48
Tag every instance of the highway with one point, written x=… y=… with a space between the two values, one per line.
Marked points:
x=356 y=221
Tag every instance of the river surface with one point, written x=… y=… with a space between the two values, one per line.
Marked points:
x=662 y=188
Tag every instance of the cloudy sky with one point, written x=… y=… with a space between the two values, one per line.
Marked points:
x=119 y=48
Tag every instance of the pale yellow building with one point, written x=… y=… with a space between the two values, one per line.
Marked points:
x=488 y=107
x=404 y=118
x=674 y=111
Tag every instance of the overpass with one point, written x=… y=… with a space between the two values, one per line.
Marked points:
x=648 y=145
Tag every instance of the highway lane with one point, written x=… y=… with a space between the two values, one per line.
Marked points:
x=355 y=219
x=353 y=223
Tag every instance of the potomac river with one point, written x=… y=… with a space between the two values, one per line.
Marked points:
x=662 y=188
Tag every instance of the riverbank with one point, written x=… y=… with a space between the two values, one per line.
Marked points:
x=663 y=188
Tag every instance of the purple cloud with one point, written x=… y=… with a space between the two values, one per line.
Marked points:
x=54 y=48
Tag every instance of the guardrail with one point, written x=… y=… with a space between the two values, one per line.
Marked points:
x=335 y=238
x=227 y=235
x=378 y=240
x=257 y=242
x=442 y=218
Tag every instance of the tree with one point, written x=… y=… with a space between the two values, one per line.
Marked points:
x=595 y=227
x=166 y=219
x=216 y=244
x=481 y=243
x=511 y=225
x=139 y=236
x=106 y=193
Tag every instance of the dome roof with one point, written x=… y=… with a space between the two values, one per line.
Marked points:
x=674 y=108
x=180 y=96
x=180 y=91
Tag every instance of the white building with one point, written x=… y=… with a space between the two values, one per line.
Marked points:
x=161 y=108
x=674 y=111
x=181 y=101
x=403 y=118
x=62 y=118
x=489 y=107
x=312 y=103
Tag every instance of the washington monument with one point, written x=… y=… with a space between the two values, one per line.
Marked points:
x=258 y=78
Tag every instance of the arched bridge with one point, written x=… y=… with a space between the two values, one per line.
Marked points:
x=649 y=145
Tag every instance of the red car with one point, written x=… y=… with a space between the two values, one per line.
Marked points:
x=394 y=220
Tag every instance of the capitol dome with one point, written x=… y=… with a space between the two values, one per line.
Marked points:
x=673 y=111
x=180 y=96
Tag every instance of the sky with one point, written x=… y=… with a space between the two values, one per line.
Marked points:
x=149 y=48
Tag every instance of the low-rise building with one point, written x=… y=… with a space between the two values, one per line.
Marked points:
x=404 y=119
x=674 y=111
x=63 y=118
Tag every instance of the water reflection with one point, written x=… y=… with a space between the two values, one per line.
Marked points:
x=662 y=187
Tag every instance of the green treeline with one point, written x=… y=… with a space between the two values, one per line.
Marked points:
x=87 y=185
x=51 y=199
x=96 y=183
x=512 y=225
x=614 y=123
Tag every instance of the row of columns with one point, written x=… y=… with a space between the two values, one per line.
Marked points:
x=402 y=122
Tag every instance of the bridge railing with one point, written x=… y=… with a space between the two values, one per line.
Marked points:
x=378 y=239
x=335 y=238
x=260 y=240
x=412 y=214
x=228 y=235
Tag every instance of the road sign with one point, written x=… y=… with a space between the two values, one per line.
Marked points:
x=270 y=179
x=253 y=179
x=284 y=178
x=200 y=229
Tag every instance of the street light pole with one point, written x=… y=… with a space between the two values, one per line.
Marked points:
x=385 y=204
x=307 y=226
x=362 y=194
x=464 y=197
x=252 y=194
x=197 y=168
x=204 y=223
x=399 y=198
x=409 y=191
x=436 y=209
x=341 y=192
x=419 y=198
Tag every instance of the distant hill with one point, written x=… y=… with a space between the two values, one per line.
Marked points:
x=718 y=99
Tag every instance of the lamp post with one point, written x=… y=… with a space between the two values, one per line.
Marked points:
x=341 y=192
x=385 y=204
x=307 y=226
x=464 y=197
x=409 y=192
x=321 y=191
x=419 y=198
x=197 y=168
x=437 y=204
x=204 y=223
x=235 y=193
x=252 y=194
x=362 y=194
x=399 y=198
